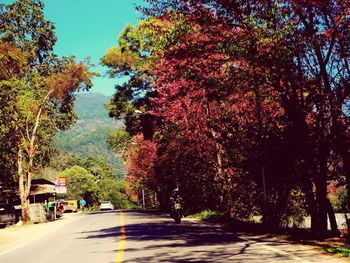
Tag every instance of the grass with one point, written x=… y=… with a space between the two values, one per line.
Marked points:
x=93 y=208
x=342 y=251
x=207 y=215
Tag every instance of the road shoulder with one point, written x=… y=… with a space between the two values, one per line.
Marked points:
x=297 y=251
x=13 y=237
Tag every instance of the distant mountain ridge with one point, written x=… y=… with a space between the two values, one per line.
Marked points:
x=87 y=138
x=91 y=106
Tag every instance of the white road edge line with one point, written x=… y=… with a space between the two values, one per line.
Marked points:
x=31 y=240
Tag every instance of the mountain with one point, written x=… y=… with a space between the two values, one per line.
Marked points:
x=90 y=106
x=87 y=137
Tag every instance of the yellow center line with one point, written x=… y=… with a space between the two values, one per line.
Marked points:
x=121 y=246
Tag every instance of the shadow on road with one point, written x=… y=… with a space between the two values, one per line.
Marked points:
x=155 y=238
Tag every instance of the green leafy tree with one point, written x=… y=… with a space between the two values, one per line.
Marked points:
x=119 y=141
x=38 y=87
x=95 y=188
x=135 y=57
x=114 y=191
x=81 y=183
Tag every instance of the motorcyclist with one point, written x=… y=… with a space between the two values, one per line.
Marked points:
x=176 y=205
x=60 y=209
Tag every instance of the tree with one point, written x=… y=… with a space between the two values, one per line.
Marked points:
x=297 y=49
x=39 y=90
x=140 y=157
x=135 y=57
x=119 y=141
x=12 y=61
x=265 y=84
x=114 y=191
x=99 y=167
x=169 y=101
x=81 y=184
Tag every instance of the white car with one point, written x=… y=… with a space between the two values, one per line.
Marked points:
x=106 y=205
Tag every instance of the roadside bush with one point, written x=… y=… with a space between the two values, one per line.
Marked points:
x=342 y=251
x=240 y=195
x=92 y=208
x=338 y=197
x=207 y=215
x=295 y=211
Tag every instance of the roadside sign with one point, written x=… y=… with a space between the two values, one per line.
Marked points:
x=61 y=184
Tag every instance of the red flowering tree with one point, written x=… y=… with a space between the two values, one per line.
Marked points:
x=140 y=170
x=206 y=88
x=300 y=48
x=249 y=87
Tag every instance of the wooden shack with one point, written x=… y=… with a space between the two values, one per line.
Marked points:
x=41 y=190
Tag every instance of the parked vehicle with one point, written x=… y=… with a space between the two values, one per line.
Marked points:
x=7 y=215
x=70 y=206
x=106 y=205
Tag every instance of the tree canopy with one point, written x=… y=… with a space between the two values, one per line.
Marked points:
x=37 y=88
x=242 y=97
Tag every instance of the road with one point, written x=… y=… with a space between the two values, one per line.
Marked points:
x=134 y=236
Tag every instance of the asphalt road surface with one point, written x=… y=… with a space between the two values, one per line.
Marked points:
x=134 y=236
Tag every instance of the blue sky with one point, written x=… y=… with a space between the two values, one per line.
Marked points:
x=88 y=28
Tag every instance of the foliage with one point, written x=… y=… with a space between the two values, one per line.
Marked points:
x=91 y=178
x=342 y=251
x=337 y=195
x=97 y=166
x=207 y=215
x=119 y=141
x=295 y=211
x=95 y=183
x=140 y=170
x=39 y=90
x=114 y=191
x=241 y=98
x=91 y=208
x=134 y=57
x=81 y=183
x=62 y=161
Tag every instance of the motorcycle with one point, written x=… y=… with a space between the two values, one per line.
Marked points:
x=177 y=212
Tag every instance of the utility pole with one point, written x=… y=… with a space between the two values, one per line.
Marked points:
x=143 y=198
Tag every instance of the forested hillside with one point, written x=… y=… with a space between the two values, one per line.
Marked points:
x=87 y=138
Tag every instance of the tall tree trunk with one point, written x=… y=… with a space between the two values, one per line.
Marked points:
x=345 y=154
x=311 y=202
x=266 y=214
x=25 y=178
x=219 y=159
x=321 y=191
x=346 y=163
x=332 y=219
x=219 y=148
x=219 y=178
x=22 y=186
